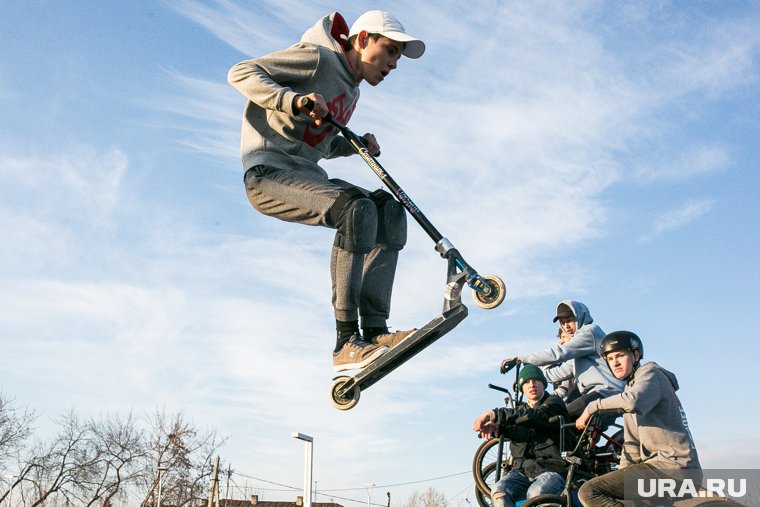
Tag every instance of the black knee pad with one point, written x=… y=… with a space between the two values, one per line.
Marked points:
x=355 y=221
x=391 y=220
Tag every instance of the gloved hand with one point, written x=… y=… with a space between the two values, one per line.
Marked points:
x=508 y=364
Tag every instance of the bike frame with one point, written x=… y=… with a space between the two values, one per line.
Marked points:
x=515 y=402
x=588 y=439
x=586 y=458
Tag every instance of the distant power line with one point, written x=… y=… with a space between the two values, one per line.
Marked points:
x=328 y=492
x=293 y=488
x=290 y=488
x=403 y=483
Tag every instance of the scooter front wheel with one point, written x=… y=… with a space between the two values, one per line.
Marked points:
x=345 y=401
x=493 y=298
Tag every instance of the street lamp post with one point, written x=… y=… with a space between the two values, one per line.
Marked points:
x=369 y=487
x=10 y=488
x=308 y=465
x=161 y=471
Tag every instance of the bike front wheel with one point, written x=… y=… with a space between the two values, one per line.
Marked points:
x=547 y=501
x=484 y=499
x=487 y=455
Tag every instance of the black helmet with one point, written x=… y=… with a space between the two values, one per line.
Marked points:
x=622 y=340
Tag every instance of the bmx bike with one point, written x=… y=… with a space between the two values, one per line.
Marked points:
x=492 y=458
x=597 y=452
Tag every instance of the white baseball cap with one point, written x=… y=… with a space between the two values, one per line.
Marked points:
x=386 y=24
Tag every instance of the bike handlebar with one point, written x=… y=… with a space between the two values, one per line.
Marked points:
x=499 y=388
x=507 y=365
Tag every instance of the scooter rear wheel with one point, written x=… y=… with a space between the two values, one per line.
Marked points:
x=348 y=400
x=493 y=298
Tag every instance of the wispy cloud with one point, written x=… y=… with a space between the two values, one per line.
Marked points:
x=209 y=110
x=679 y=218
x=248 y=28
x=78 y=179
x=698 y=161
x=720 y=59
x=53 y=203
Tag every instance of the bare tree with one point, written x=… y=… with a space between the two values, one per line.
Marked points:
x=85 y=464
x=15 y=428
x=65 y=466
x=106 y=459
x=184 y=454
x=119 y=448
x=25 y=469
x=429 y=498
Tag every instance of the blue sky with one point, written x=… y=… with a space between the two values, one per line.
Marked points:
x=604 y=152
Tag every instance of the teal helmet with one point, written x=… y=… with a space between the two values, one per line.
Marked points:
x=530 y=372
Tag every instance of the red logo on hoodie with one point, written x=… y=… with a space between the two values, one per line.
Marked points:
x=313 y=134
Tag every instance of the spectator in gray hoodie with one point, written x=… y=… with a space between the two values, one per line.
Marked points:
x=657 y=435
x=567 y=389
x=578 y=359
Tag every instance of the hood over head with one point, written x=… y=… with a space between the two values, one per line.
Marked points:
x=330 y=32
x=579 y=311
x=669 y=374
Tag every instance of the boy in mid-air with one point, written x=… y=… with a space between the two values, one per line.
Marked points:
x=282 y=141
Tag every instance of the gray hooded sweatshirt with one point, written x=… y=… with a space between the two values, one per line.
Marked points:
x=656 y=431
x=579 y=358
x=273 y=133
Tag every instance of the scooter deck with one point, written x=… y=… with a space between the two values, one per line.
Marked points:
x=410 y=347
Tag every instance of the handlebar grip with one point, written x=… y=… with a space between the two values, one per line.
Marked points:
x=306 y=103
x=561 y=420
x=498 y=388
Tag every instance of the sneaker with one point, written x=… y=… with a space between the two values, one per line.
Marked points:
x=357 y=353
x=393 y=339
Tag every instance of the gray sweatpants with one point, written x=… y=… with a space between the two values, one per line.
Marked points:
x=361 y=283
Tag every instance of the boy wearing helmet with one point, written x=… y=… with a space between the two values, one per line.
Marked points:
x=657 y=435
x=282 y=141
x=537 y=466
x=577 y=358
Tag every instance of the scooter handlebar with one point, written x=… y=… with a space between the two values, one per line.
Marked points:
x=305 y=102
x=308 y=104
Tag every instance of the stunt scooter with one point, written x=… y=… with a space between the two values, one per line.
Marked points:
x=488 y=290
